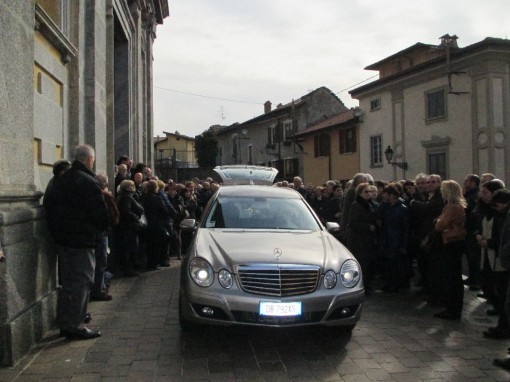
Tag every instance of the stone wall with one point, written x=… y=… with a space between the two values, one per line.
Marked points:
x=57 y=92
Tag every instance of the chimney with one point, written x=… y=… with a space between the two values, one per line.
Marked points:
x=267 y=107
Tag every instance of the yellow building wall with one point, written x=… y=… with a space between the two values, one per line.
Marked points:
x=185 y=149
x=343 y=166
x=316 y=170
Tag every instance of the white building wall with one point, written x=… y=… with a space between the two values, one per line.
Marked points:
x=376 y=122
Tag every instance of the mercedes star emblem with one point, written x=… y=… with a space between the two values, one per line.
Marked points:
x=277 y=252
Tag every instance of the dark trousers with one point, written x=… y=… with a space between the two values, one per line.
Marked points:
x=451 y=260
x=76 y=277
x=436 y=274
x=126 y=250
x=392 y=271
x=421 y=260
x=366 y=263
x=473 y=256
x=176 y=243
x=501 y=284
x=156 y=243
x=101 y=254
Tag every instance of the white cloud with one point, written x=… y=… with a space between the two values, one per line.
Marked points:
x=279 y=50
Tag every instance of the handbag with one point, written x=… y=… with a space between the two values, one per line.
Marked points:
x=142 y=223
x=455 y=233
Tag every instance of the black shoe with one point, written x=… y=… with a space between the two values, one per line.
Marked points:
x=475 y=287
x=103 y=296
x=445 y=315
x=493 y=312
x=497 y=333
x=504 y=363
x=155 y=268
x=80 y=333
x=88 y=318
x=468 y=281
x=481 y=295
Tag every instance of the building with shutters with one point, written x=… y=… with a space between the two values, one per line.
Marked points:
x=270 y=138
x=439 y=109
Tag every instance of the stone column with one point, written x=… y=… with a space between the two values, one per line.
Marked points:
x=27 y=279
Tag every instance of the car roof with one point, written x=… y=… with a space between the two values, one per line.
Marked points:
x=246 y=174
x=258 y=191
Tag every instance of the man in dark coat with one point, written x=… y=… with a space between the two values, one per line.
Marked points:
x=421 y=223
x=78 y=213
x=504 y=256
x=471 y=190
x=435 y=204
x=349 y=198
x=394 y=217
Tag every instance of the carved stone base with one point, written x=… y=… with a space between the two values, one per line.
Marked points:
x=28 y=275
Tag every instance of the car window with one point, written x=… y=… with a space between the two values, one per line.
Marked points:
x=260 y=213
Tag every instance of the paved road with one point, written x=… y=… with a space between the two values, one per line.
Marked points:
x=396 y=340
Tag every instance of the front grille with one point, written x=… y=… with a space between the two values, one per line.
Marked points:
x=278 y=279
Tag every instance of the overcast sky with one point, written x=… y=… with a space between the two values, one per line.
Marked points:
x=218 y=61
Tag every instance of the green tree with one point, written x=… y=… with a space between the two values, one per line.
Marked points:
x=206 y=147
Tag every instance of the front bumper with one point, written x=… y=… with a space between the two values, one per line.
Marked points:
x=218 y=306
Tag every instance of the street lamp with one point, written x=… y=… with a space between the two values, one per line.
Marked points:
x=388 y=153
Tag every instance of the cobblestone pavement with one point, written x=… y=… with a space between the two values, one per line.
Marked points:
x=397 y=339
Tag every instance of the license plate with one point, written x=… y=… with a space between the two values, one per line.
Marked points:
x=267 y=308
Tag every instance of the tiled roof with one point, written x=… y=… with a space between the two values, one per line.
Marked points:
x=178 y=135
x=338 y=119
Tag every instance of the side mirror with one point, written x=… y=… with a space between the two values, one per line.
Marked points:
x=188 y=224
x=332 y=227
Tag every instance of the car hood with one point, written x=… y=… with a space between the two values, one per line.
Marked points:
x=228 y=248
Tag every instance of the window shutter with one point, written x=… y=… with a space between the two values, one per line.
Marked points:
x=295 y=167
x=279 y=132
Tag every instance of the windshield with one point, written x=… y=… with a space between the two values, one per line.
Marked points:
x=260 y=213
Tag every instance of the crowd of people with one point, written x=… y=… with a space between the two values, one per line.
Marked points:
x=101 y=233
x=411 y=232
x=418 y=231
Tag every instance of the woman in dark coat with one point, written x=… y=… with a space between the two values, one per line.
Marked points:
x=156 y=234
x=361 y=232
x=178 y=204
x=191 y=206
x=125 y=233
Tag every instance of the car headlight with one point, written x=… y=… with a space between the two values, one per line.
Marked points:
x=225 y=279
x=350 y=274
x=201 y=272
x=330 y=279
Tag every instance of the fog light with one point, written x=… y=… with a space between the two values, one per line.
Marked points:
x=207 y=311
x=345 y=311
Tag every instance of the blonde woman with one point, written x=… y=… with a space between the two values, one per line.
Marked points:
x=451 y=226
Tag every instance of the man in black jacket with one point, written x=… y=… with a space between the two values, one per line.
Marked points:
x=504 y=258
x=78 y=213
x=471 y=190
